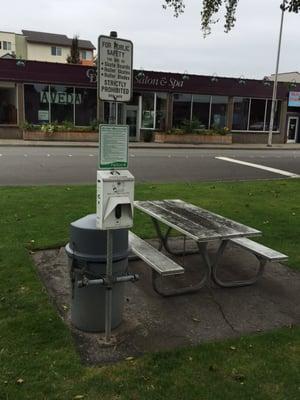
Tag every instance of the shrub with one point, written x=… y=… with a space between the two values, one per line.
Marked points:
x=28 y=126
x=190 y=126
x=220 y=131
x=49 y=128
x=67 y=126
x=94 y=125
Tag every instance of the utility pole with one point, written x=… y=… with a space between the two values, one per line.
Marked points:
x=283 y=8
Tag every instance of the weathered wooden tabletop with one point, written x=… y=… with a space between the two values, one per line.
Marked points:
x=194 y=222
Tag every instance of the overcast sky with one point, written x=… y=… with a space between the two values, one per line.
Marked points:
x=164 y=43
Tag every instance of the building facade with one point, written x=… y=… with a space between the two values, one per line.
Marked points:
x=42 y=46
x=289 y=77
x=12 y=44
x=40 y=92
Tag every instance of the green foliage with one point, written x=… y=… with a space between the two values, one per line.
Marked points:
x=74 y=57
x=67 y=126
x=38 y=359
x=94 y=126
x=220 y=131
x=189 y=126
x=49 y=128
x=27 y=126
x=210 y=9
x=196 y=127
x=177 y=6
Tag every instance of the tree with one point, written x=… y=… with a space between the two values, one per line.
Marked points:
x=74 y=57
x=211 y=8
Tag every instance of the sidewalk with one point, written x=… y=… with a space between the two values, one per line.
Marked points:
x=151 y=145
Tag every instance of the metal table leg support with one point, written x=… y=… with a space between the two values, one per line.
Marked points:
x=163 y=238
x=161 y=290
x=232 y=284
x=164 y=241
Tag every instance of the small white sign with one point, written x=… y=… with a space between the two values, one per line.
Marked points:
x=115 y=69
x=113 y=152
x=43 y=115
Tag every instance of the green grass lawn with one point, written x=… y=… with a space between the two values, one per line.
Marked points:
x=37 y=349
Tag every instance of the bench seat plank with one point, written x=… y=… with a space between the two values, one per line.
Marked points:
x=157 y=260
x=259 y=249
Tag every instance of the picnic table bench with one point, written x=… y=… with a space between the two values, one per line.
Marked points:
x=203 y=227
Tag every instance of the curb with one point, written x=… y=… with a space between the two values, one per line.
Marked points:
x=151 y=146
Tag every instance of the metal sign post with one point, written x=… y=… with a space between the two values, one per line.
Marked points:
x=108 y=292
x=114 y=85
x=109 y=271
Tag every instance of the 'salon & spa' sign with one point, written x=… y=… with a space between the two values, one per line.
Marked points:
x=162 y=82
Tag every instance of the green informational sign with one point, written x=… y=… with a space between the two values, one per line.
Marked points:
x=113 y=150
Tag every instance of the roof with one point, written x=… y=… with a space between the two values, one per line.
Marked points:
x=287 y=73
x=55 y=38
x=291 y=77
x=8 y=55
x=11 y=33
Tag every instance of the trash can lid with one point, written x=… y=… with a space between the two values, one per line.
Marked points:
x=89 y=243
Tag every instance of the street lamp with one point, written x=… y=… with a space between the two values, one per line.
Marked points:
x=283 y=9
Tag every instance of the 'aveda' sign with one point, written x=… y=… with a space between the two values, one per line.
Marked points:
x=63 y=98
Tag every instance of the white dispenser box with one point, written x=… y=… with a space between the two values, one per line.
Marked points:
x=115 y=196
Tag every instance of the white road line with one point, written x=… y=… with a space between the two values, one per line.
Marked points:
x=91 y=155
x=70 y=155
x=25 y=155
x=275 y=170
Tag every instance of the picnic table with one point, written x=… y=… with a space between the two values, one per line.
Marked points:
x=203 y=227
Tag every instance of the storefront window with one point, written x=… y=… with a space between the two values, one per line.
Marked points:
x=110 y=112
x=37 y=104
x=135 y=99
x=148 y=110
x=201 y=106
x=218 y=111
x=161 y=110
x=62 y=100
x=56 y=104
x=240 y=114
x=257 y=115
x=276 y=117
x=8 y=109
x=85 y=106
x=181 y=109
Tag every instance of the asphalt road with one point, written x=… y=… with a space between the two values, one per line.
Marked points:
x=62 y=165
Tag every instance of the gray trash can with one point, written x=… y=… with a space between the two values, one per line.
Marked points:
x=87 y=257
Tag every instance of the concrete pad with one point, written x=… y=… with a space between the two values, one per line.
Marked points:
x=153 y=323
